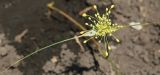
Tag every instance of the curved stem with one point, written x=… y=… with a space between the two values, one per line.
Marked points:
x=52 y=8
x=41 y=49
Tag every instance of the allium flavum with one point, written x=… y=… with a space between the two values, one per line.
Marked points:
x=101 y=27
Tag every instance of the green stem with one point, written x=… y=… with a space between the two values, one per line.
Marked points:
x=39 y=50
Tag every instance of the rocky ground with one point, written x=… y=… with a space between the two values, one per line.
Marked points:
x=24 y=27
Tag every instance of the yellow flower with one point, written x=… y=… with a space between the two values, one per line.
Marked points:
x=101 y=27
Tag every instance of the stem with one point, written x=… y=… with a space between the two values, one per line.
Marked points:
x=41 y=49
x=114 y=67
x=67 y=16
x=52 y=8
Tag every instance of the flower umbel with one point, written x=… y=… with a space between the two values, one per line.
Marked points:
x=101 y=27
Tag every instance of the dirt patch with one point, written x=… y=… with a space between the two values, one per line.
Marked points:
x=137 y=54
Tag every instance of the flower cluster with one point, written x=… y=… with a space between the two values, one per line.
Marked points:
x=101 y=27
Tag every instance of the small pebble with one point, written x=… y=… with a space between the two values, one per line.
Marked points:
x=3 y=52
x=54 y=59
